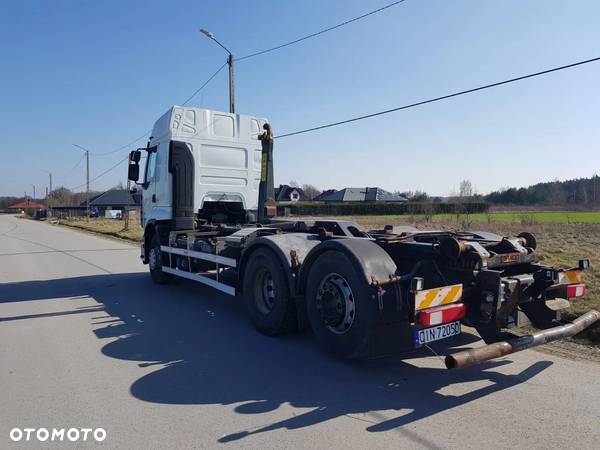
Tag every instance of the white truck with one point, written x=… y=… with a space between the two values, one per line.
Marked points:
x=207 y=214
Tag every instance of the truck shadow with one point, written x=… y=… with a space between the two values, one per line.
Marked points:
x=206 y=352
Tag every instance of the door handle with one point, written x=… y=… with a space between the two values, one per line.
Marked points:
x=153 y=198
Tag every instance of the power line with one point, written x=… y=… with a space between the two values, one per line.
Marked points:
x=103 y=173
x=295 y=41
x=256 y=54
x=74 y=167
x=205 y=83
x=412 y=105
x=141 y=137
x=150 y=131
x=122 y=146
x=444 y=97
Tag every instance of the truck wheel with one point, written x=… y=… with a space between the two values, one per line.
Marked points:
x=340 y=306
x=266 y=293
x=155 y=262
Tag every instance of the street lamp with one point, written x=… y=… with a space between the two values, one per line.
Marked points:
x=87 y=181
x=211 y=36
x=50 y=193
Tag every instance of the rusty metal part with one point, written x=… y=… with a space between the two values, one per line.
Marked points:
x=474 y=356
x=267 y=135
x=451 y=248
x=294 y=261
x=324 y=234
x=527 y=240
x=391 y=279
x=271 y=210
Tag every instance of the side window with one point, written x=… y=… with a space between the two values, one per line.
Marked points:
x=150 y=166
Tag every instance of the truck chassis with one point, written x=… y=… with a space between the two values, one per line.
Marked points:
x=346 y=283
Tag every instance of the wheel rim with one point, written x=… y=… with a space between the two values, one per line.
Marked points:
x=264 y=292
x=335 y=303
x=153 y=258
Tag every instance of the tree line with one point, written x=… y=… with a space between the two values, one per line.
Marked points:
x=582 y=192
x=58 y=197
x=579 y=192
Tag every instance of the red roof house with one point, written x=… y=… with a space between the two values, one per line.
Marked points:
x=27 y=205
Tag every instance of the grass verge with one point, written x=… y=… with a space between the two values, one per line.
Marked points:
x=110 y=227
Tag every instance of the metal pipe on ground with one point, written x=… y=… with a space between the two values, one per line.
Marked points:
x=474 y=356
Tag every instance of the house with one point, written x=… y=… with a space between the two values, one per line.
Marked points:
x=366 y=194
x=27 y=204
x=323 y=195
x=285 y=193
x=115 y=199
x=33 y=209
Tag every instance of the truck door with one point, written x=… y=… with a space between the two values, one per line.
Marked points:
x=149 y=195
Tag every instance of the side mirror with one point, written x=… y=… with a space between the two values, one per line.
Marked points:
x=133 y=189
x=135 y=156
x=133 y=173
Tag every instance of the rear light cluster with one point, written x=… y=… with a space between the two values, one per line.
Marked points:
x=442 y=314
x=576 y=290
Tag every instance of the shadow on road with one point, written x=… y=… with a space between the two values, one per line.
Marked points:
x=206 y=352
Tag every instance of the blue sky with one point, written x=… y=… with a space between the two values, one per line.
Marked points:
x=100 y=73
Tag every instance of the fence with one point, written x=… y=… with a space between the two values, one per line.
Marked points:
x=368 y=209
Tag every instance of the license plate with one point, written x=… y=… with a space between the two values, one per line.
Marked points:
x=427 y=335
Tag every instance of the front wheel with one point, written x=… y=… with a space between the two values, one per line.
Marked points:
x=155 y=262
x=341 y=306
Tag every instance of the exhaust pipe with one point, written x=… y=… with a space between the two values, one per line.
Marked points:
x=266 y=188
x=474 y=356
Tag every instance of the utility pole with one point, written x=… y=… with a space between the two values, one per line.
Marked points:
x=211 y=36
x=49 y=193
x=87 y=185
x=231 y=93
x=33 y=192
x=87 y=181
x=126 y=210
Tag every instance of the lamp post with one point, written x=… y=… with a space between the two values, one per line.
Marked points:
x=50 y=192
x=87 y=181
x=211 y=36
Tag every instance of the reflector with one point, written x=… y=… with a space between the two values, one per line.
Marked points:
x=576 y=290
x=442 y=314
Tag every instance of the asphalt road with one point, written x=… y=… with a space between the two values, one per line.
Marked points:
x=87 y=341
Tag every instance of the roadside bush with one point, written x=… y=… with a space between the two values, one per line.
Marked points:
x=372 y=209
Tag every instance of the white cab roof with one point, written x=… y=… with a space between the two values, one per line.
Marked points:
x=183 y=123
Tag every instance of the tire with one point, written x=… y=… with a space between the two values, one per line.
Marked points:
x=155 y=262
x=341 y=307
x=267 y=295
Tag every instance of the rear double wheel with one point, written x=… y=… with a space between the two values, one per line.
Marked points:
x=341 y=306
x=267 y=295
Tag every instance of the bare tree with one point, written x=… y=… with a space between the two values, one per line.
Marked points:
x=310 y=191
x=465 y=189
x=294 y=183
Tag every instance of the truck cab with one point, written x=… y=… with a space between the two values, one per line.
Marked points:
x=201 y=163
